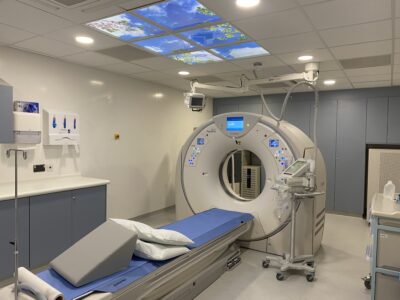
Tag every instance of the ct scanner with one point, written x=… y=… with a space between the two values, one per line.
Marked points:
x=201 y=179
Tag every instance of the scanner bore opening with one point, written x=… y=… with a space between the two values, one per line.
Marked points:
x=242 y=175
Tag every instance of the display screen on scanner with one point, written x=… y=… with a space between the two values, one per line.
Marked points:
x=234 y=123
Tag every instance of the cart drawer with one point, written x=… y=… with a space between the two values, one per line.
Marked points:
x=389 y=222
x=387 y=287
x=388 y=249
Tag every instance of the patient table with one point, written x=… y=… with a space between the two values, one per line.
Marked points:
x=214 y=251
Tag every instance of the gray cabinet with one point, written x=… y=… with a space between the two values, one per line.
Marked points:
x=59 y=220
x=7 y=236
x=350 y=156
x=377 y=120
x=50 y=227
x=88 y=210
x=394 y=121
x=6 y=115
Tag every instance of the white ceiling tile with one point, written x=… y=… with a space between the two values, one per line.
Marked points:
x=131 y=4
x=204 y=69
x=288 y=22
x=397 y=28
x=177 y=83
x=229 y=11
x=397 y=4
x=396 y=68
x=101 y=41
x=124 y=68
x=368 y=78
x=309 y=2
x=274 y=71
x=11 y=35
x=293 y=43
x=355 y=34
x=318 y=54
x=396 y=59
x=361 y=85
x=341 y=84
x=397 y=45
x=159 y=63
x=267 y=61
x=369 y=71
x=234 y=77
x=47 y=46
x=331 y=65
x=25 y=17
x=92 y=10
x=92 y=59
x=363 y=50
x=323 y=75
x=348 y=12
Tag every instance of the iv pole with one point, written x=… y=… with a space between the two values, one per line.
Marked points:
x=16 y=216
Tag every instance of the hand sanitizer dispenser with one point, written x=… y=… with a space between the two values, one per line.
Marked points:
x=60 y=128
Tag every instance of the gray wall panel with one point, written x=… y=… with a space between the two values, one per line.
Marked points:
x=326 y=138
x=350 y=155
x=377 y=120
x=394 y=121
x=6 y=115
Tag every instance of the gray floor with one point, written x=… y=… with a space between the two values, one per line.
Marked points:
x=341 y=264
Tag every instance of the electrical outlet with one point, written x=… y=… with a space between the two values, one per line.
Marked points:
x=38 y=168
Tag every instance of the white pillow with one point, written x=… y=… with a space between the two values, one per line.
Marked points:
x=159 y=236
x=157 y=251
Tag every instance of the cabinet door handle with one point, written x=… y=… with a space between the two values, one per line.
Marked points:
x=73 y=198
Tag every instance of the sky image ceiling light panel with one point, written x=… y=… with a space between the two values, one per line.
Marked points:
x=165 y=45
x=126 y=27
x=178 y=14
x=241 y=51
x=197 y=57
x=215 y=35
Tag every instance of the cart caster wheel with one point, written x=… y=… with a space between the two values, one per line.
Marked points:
x=265 y=263
x=280 y=276
x=367 y=283
x=310 y=277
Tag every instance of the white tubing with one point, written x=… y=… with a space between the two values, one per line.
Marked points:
x=283 y=111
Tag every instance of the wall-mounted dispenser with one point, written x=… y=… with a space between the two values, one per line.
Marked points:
x=60 y=128
x=27 y=123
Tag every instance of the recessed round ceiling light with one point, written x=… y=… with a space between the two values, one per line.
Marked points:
x=84 y=40
x=158 y=95
x=305 y=57
x=184 y=73
x=247 y=3
x=329 y=82
x=96 y=82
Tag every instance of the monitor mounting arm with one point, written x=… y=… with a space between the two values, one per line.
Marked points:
x=310 y=75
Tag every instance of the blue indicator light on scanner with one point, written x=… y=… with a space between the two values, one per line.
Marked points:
x=274 y=143
x=201 y=141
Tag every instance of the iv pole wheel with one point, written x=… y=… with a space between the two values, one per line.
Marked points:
x=265 y=263
x=280 y=276
x=310 y=277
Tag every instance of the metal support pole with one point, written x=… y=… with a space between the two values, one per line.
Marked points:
x=16 y=217
x=293 y=230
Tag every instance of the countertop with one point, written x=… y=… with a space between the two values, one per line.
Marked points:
x=48 y=185
x=383 y=207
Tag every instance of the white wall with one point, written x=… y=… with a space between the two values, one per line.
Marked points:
x=141 y=165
